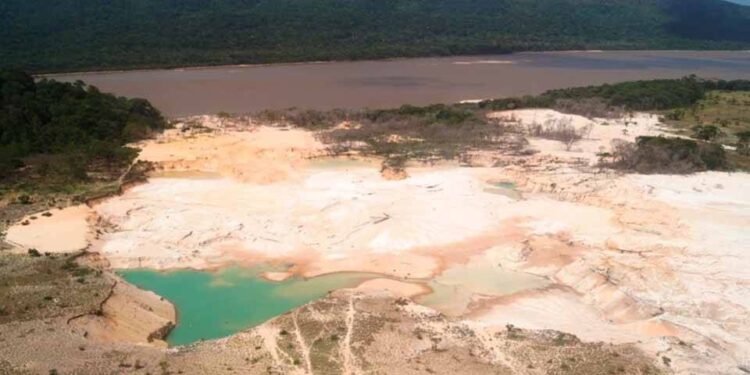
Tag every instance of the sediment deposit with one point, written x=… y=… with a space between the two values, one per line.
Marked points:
x=656 y=264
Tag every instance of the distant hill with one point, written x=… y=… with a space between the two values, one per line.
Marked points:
x=42 y=35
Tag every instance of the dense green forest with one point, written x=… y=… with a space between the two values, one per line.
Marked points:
x=650 y=95
x=42 y=35
x=62 y=129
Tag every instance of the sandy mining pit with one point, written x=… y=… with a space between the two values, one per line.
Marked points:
x=656 y=261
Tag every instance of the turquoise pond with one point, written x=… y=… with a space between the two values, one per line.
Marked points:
x=216 y=304
x=505 y=188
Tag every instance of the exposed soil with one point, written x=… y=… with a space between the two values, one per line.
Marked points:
x=646 y=274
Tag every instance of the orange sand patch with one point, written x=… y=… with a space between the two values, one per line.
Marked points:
x=67 y=230
x=265 y=155
x=130 y=315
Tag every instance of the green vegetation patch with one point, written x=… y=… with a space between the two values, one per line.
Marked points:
x=728 y=112
x=67 y=130
x=65 y=142
x=450 y=131
x=721 y=116
x=670 y=155
x=650 y=95
x=640 y=95
x=42 y=286
x=713 y=112
x=409 y=132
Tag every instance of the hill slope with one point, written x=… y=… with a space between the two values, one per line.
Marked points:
x=40 y=35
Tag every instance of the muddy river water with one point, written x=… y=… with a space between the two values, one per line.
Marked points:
x=388 y=83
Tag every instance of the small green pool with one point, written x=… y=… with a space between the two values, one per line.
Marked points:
x=217 y=304
x=505 y=188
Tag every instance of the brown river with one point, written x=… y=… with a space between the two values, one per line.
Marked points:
x=389 y=83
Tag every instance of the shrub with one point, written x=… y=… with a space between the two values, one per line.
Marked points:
x=451 y=116
x=705 y=132
x=538 y=101
x=559 y=130
x=676 y=115
x=713 y=156
x=136 y=130
x=589 y=107
x=9 y=162
x=641 y=95
x=669 y=155
x=34 y=253
x=743 y=142
x=410 y=132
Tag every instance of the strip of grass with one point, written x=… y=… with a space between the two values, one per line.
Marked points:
x=39 y=286
x=729 y=111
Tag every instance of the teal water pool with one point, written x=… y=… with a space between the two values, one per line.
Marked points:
x=505 y=188
x=455 y=289
x=211 y=305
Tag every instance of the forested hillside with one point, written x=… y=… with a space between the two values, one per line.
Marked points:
x=40 y=35
x=62 y=129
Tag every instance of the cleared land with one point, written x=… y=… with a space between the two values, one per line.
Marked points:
x=640 y=256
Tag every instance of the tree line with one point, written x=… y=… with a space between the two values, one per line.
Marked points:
x=72 y=120
x=42 y=35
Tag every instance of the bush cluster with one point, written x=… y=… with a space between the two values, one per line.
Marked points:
x=670 y=155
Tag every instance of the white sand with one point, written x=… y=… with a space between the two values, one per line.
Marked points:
x=329 y=214
x=558 y=310
x=602 y=133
